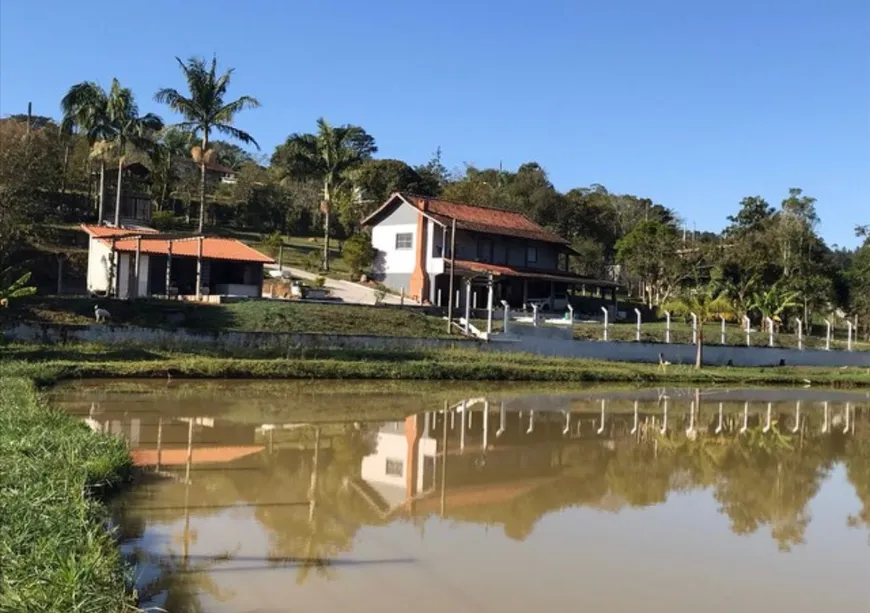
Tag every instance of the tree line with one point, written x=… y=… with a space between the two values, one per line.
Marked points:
x=768 y=263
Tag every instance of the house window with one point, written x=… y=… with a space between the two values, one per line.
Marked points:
x=532 y=255
x=404 y=240
x=395 y=468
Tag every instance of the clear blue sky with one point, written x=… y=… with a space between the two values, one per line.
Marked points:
x=692 y=103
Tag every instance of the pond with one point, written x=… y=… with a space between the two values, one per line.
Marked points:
x=397 y=497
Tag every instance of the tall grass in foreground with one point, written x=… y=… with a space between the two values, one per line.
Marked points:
x=55 y=551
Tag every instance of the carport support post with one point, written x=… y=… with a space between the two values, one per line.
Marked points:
x=168 y=266
x=637 y=332
x=489 y=288
x=113 y=264
x=467 y=304
x=199 y=268
x=605 y=321
x=452 y=275
x=800 y=333
x=135 y=292
x=668 y=327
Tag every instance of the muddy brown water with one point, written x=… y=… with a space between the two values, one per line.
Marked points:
x=386 y=497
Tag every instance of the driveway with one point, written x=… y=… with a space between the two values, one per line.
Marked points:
x=345 y=290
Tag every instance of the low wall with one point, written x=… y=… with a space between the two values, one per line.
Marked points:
x=550 y=347
x=181 y=338
x=717 y=355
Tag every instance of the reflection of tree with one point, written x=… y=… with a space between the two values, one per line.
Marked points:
x=858 y=472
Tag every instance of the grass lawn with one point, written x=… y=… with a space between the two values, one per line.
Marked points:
x=263 y=315
x=55 y=552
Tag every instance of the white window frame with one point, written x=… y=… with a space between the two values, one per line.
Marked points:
x=394 y=461
x=410 y=236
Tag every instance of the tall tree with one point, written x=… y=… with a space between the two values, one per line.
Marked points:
x=130 y=130
x=205 y=111
x=706 y=303
x=86 y=109
x=328 y=157
x=649 y=253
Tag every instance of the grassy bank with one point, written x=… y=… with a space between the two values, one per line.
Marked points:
x=50 y=364
x=55 y=552
x=253 y=315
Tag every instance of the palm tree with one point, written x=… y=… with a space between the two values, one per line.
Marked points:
x=86 y=108
x=706 y=303
x=205 y=111
x=130 y=130
x=326 y=157
x=173 y=144
x=773 y=302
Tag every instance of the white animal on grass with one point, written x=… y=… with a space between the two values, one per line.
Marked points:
x=101 y=314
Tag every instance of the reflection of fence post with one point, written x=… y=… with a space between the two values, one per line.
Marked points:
x=667 y=327
x=769 y=331
x=849 y=338
x=828 y=335
x=605 y=321
x=723 y=331
x=800 y=333
x=637 y=332
x=694 y=328
x=746 y=326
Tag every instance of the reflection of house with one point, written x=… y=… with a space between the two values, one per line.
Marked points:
x=132 y=262
x=525 y=261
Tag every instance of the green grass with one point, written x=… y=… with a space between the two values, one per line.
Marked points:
x=55 y=552
x=251 y=315
x=681 y=332
x=51 y=364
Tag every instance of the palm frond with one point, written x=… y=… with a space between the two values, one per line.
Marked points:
x=239 y=135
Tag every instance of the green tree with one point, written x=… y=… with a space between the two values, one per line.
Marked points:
x=130 y=130
x=327 y=157
x=649 y=252
x=205 y=111
x=168 y=158
x=706 y=303
x=86 y=109
x=773 y=302
x=359 y=254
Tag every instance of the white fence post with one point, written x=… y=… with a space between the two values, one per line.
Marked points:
x=694 y=328
x=849 y=338
x=467 y=305
x=668 y=327
x=489 y=291
x=637 y=333
x=439 y=298
x=605 y=321
x=800 y=333
x=828 y=335
x=535 y=314
x=769 y=331
x=746 y=326
x=723 y=331
x=571 y=312
x=507 y=316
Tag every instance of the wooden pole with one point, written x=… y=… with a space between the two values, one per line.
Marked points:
x=135 y=292
x=452 y=274
x=168 y=266
x=110 y=290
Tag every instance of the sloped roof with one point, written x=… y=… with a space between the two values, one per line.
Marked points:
x=187 y=246
x=473 y=218
x=499 y=270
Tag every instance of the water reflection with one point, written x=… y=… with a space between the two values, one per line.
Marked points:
x=230 y=503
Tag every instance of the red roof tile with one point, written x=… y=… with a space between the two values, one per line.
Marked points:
x=212 y=248
x=200 y=455
x=478 y=218
x=106 y=231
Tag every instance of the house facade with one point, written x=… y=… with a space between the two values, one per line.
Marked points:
x=524 y=262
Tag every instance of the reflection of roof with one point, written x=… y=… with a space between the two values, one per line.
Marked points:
x=212 y=248
x=527 y=273
x=475 y=218
x=200 y=455
x=482 y=495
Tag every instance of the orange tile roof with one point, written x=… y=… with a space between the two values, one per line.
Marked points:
x=529 y=273
x=477 y=218
x=200 y=455
x=212 y=248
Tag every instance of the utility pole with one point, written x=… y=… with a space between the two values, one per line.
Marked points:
x=452 y=274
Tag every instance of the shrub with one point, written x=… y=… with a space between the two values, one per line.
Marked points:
x=313 y=261
x=320 y=282
x=358 y=254
x=163 y=220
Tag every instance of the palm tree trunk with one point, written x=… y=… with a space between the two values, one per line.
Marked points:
x=327 y=205
x=202 y=181
x=102 y=192
x=699 y=352
x=165 y=190
x=118 y=191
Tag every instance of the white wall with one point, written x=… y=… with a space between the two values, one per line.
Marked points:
x=390 y=445
x=124 y=264
x=384 y=240
x=434 y=266
x=144 y=263
x=98 y=266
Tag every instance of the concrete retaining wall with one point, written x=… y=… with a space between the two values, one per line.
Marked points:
x=550 y=347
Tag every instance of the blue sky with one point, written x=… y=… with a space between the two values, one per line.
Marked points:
x=694 y=104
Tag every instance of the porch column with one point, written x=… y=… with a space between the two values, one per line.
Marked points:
x=199 y=268
x=489 y=288
x=113 y=266
x=135 y=292
x=168 y=266
x=553 y=295
x=467 y=304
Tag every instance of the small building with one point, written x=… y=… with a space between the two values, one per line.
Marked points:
x=132 y=262
x=522 y=262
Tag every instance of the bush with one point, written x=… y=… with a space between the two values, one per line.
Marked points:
x=358 y=254
x=313 y=261
x=320 y=282
x=163 y=220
